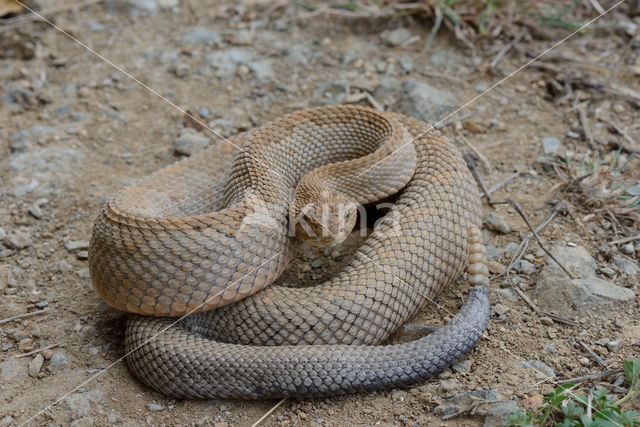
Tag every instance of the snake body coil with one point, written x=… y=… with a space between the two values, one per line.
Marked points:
x=192 y=238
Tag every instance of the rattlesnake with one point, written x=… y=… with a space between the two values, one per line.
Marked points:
x=208 y=233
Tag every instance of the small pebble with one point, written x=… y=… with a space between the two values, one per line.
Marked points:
x=190 y=142
x=155 y=407
x=550 y=145
x=495 y=267
x=42 y=304
x=585 y=361
x=463 y=367
x=18 y=240
x=547 y=321
x=396 y=37
x=523 y=266
x=494 y=222
x=613 y=345
x=74 y=245
x=449 y=385
x=82 y=255
x=35 y=365
x=608 y=271
x=628 y=249
x=58 y=360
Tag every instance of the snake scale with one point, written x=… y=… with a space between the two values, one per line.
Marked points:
x=201 y=237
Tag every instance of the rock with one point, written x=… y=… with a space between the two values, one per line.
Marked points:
x=42 y=304
x=201 y=35
x=462 y=367
x=396 y=37
x=495 y=267
x=541 y=368
x=35 y=366
x=449 y=385
x=425 y=102
x=613 y=345
x=262 y=70
x=523 y=266
x=190 y=142
x=511 y=248
x=575 y=258
x=556 y=292
x=18 y=239
x=155 y=407
x=58 y=361
x=82 y=255
x=74 y=245
x=494 y=222
x=627 y=266
x=550 y=145
x=628 y=249
x=35 y=210
x=6 y=421
x=608 y=271
x=497 y=413
x=80 y=403
x=563 y=295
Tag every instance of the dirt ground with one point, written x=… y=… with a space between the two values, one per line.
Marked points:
x=74 y=129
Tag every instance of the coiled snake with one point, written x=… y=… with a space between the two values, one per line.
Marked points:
x=199 y=235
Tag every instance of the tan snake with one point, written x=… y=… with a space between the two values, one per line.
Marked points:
x=196 y=236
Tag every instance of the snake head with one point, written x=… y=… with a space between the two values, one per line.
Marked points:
x=327 y=221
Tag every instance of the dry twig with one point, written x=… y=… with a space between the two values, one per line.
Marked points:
x=48 y=347
x=593 y=355
x=22 y=316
